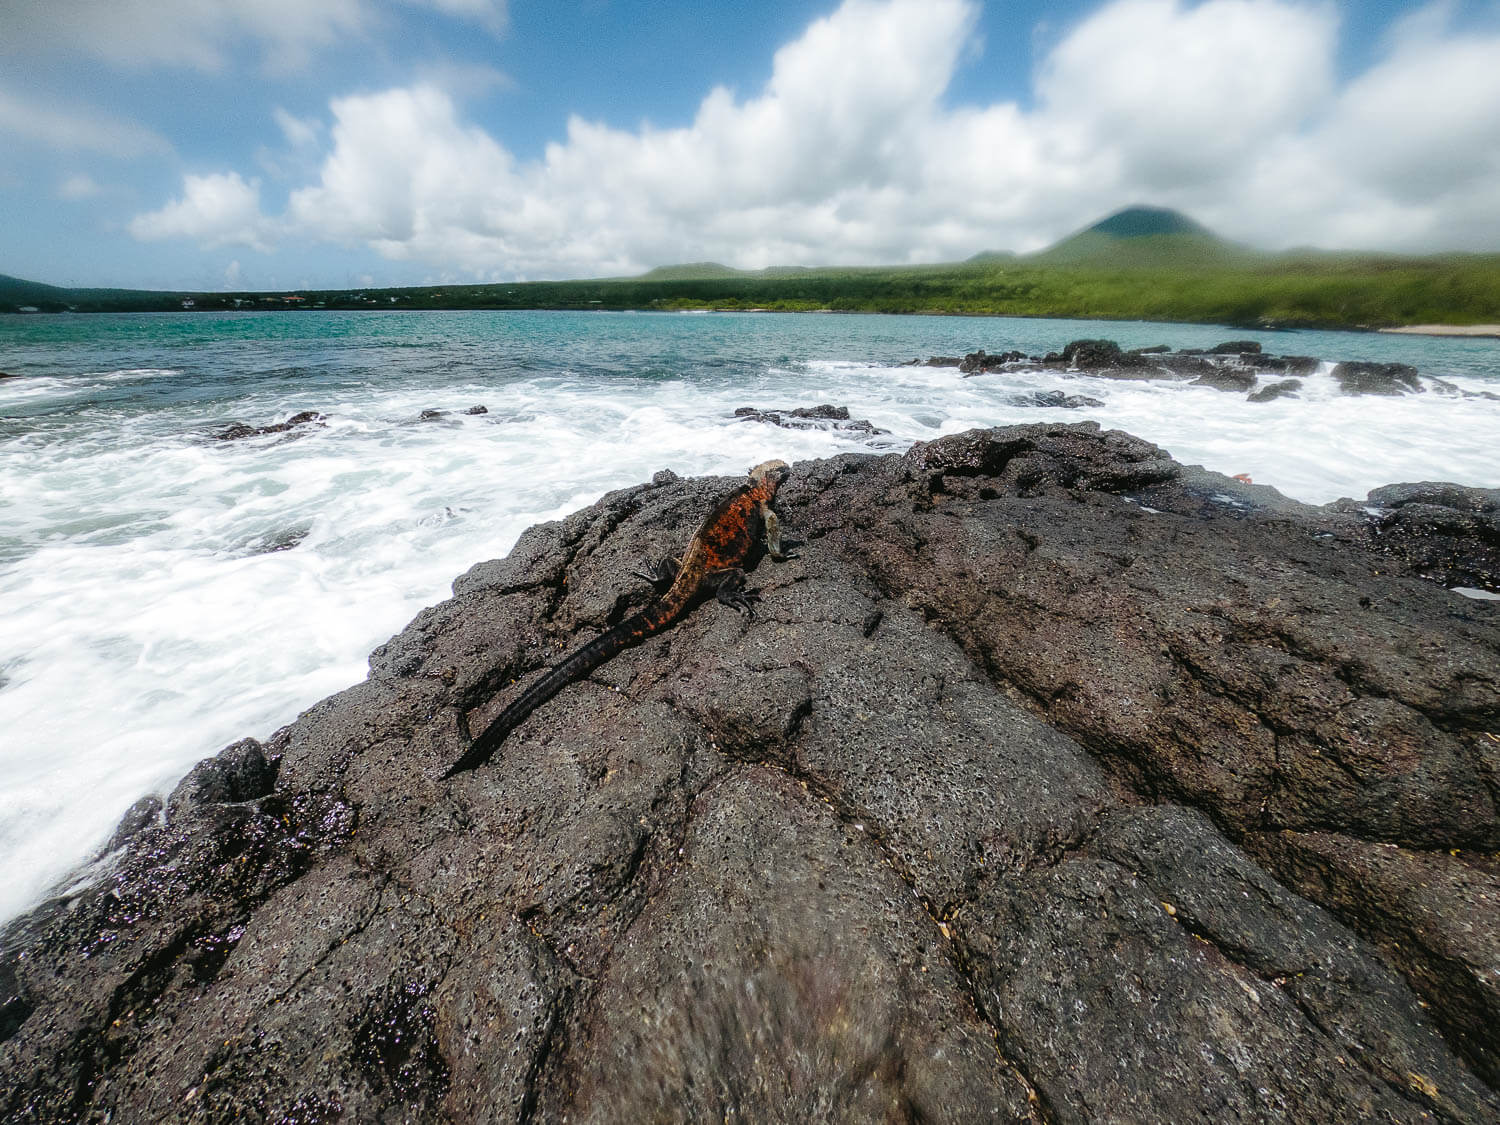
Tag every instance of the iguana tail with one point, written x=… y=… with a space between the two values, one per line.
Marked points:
x=579 y=664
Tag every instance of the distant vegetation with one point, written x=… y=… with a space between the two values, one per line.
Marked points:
x=1140 y=264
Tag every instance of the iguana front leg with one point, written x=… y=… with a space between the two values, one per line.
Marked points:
x=775 y=545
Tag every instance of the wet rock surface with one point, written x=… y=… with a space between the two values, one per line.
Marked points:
x=1444 y=532
x=822 y=417
x=1054 y=399
x=1235 y=365
x=1378 y=378
x=1282 y=388
x=1052 y=781
x=239 y=430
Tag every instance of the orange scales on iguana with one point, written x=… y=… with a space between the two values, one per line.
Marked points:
x=713 y=562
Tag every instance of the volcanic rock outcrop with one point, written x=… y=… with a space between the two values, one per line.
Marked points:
x=1054 y=781
x=237 y=431
x=1235 y=365
x=823 y=417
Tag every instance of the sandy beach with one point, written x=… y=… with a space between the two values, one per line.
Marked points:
x=1491 y=331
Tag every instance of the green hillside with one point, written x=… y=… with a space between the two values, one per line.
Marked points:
x=1138 y=264
x=17 y=294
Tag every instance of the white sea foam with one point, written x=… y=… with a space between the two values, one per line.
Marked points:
x=136 y=373
x=1316 y=447
x=149 y=618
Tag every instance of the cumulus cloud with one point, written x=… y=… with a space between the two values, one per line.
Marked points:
x=1176 y=92
x=1424 y=122
x=1230 y=109
x=405 y=174
x=1406 y=156
x=214 y=210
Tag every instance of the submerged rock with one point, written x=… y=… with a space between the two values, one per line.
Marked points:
x=1226 y=379
x=1377 y=378
x=824 y=417
x=1055 y=399
x=1052 y=781
x=283 y=539
x=1284 y=388
x=238 y=430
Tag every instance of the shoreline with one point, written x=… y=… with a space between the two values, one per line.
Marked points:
x=1294 y=324
x=1471 y=331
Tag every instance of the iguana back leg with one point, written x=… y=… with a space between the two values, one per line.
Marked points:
x=661 y=573
x=729 y=588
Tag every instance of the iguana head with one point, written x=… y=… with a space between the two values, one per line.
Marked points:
x=778 y=471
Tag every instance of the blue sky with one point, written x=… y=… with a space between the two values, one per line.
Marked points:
x=290 y=143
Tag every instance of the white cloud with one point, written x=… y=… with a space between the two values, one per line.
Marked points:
x=1176 y=92
x=200 y=33
x=1229 y=109
x=462 y=79
x=215 y=210
x=78 y=186
x=403 y=173
x=73 y=129
x=191 y=33
x=773 y=178
x=299 y=132
x=491 y=14
x=1424 y=122
x=1406 y=156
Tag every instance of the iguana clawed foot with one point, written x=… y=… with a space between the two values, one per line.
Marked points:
x=663 y=572
x=730 y=590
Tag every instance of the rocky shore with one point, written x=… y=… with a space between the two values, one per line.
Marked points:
x=1053 y=781
x=1235 y=365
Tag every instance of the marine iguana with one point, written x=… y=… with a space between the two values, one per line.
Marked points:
x=713 y=561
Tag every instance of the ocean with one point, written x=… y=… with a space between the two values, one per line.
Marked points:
x=163 y=593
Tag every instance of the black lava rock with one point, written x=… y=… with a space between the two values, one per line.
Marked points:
x=1053 y=781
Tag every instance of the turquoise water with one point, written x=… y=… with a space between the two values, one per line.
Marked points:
x=162 y=593
x=220 y=352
